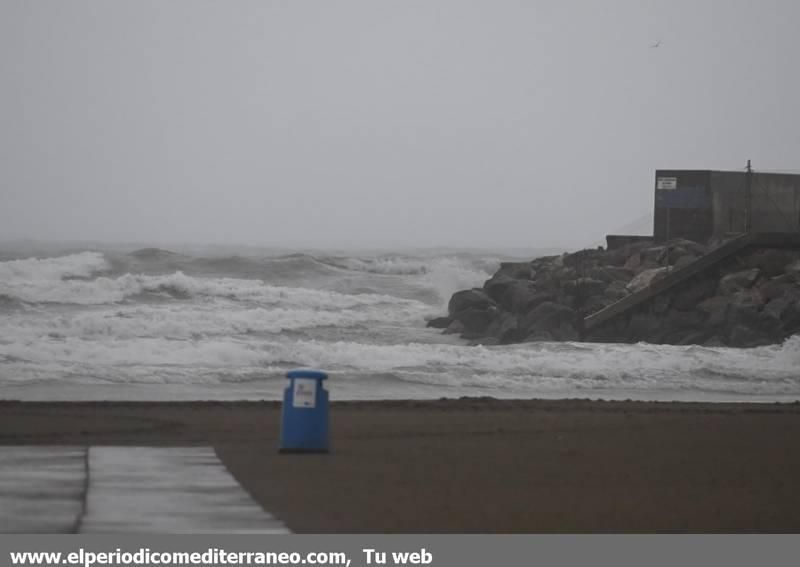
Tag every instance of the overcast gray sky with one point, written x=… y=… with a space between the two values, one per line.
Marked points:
x=339 y=123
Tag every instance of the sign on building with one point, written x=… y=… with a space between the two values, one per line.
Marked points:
x=667 y=183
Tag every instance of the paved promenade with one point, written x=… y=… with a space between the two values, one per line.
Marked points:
x=124 y=490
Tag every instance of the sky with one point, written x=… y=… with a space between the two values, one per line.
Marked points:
x=380 y=123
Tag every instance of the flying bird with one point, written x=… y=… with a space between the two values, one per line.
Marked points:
x=656 y=44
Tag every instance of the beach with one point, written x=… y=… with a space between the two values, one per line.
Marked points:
x=475 y=464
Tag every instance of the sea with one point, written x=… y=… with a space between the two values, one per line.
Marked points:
x=93 y=321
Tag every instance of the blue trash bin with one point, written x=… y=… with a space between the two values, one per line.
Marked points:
x=304 y=419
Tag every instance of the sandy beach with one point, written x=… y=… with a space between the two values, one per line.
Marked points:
x=477 y=465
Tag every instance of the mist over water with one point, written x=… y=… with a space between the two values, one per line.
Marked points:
x=97 y=322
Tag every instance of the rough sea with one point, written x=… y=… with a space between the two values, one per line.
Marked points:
x=194 y=323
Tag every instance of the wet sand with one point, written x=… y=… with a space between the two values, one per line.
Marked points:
x=476 y=465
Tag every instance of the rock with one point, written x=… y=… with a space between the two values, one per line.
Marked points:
x=516 y=270
x=684 y=261
x=633 y=262
x=616 y=290
x=596 y=303
x=454 y=328
x=683 y=320
x=744 y=337
x=538 y=337
x=583 y=287
x=643 y=327
x=715 y=309
x=690 y=245
x=660 y=304
x=793 y=271
x=791 y=318
x=517 y=296
x=770 y=262
x=699 y=290
x=610 y=274
x=777 y=307
x=694 y=338
x=468 y=299
x=745 y=312
x=547 y=317
x=440 y=322
x=656 y=255
x=714 y=341
x=738 y=281
x=619 y=256
x=475 y=321
x=775 y=288
x=566 y=332
x=504 y=328
x=645 y=279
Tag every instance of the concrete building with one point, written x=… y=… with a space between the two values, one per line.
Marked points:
x=701 y=204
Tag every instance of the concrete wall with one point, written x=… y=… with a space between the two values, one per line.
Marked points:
x=685 y=210
x=775 y=202
x=728 y=202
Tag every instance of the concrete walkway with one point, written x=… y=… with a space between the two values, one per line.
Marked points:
x=124 y=490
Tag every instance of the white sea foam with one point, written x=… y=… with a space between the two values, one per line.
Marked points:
x=30 y=270
x=533 y=369
x=83 y=324
x=43 y=281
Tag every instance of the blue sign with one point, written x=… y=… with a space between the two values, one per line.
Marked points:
x=304 y=419
x=684 y=197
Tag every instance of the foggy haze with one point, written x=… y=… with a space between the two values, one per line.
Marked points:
x=399 y=123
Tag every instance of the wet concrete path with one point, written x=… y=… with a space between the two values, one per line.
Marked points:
x=124 y=490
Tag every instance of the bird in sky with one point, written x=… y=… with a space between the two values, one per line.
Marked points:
x=655 y=45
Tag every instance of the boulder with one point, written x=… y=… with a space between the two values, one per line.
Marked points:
x=715 y=309
x=793 y=271
x=738 y=281
x=643 y=326
x=468 y=299
x=474 y=321
x=656 y=255
x=646 y=278
x=745 y=312
x=778 y=307
x=694 y=292
x=693 y=337
x=583 y=287
x=619 y=256
x=538 y=337
x=454 y=328
x=790 y=317
x=770 y=262
x=504 y=328
x=745 y=337
x=517 y=296
x=633 y=262
x=610 y=274
x=547 y=317
x=661 y=304
x=694 y=247
x=714 y=341
x=516 y=270
x=776 y=287
x=684 y=261
x=566 y=332
x=596 y=303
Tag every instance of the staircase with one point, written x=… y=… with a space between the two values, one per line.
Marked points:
x=674 y=278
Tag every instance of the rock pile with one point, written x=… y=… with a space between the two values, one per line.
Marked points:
x=751 y=299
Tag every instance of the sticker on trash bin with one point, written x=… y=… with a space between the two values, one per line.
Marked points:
x=305 y=393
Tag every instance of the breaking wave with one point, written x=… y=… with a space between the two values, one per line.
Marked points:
x=154 y=316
